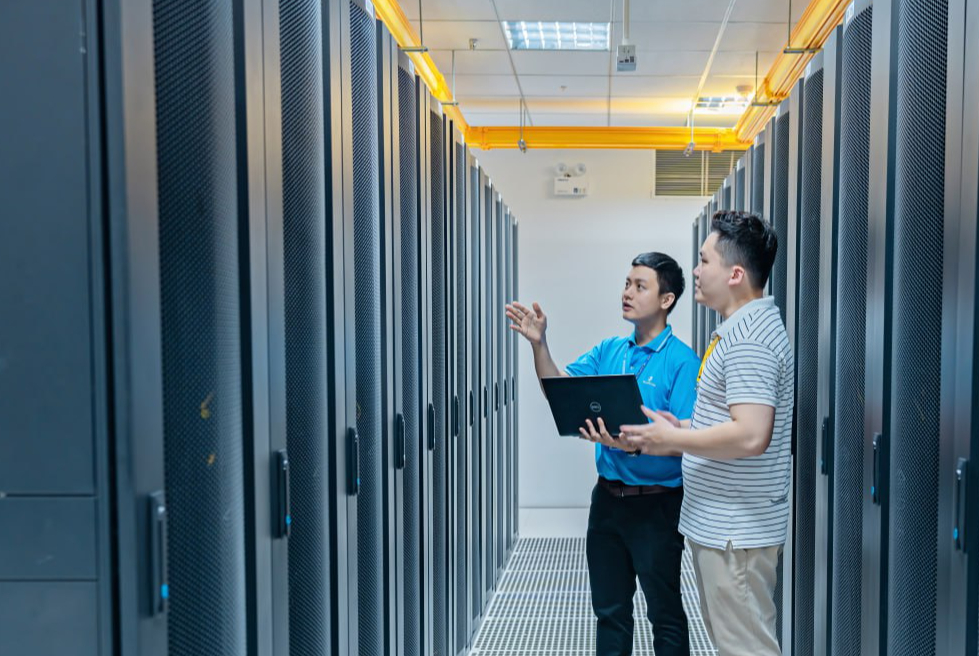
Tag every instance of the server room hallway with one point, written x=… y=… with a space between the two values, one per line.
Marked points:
x=264 y=390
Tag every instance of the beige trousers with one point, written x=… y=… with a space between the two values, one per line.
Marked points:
x=737 y=590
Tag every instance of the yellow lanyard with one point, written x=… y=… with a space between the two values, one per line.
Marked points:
x=710 y=349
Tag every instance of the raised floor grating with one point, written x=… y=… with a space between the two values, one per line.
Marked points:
x=542 y=606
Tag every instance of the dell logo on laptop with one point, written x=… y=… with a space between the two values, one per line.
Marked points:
x=595 y=406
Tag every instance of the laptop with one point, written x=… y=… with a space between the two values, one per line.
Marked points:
x=573 y=399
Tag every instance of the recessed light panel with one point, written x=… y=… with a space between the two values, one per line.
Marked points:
x=551 y=35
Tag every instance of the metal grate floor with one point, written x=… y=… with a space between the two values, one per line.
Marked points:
x=542 y=606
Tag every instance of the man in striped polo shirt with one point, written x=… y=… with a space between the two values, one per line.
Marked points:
x=635 y=508
x=737 y=446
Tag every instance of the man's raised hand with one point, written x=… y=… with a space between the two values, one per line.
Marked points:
x=531 y=323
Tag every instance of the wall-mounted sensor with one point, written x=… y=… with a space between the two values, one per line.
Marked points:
x=580 y=169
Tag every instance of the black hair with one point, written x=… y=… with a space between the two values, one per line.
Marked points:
x=668 y=273
x=747 y=240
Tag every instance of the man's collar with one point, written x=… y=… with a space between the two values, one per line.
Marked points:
x=658 y=342
x=750 y=306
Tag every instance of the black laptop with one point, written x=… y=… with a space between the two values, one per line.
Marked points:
x=573 y=399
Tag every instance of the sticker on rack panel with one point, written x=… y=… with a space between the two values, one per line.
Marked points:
x=595 y=407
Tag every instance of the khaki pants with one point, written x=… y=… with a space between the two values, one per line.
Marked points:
x=737 y=589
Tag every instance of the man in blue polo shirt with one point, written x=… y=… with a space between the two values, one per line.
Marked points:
x=635 y=507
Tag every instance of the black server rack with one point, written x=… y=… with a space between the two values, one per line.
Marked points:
x=727 y=193
x=80 y=292
x=201 y=327
x=300 y=369
x=740 y=180
x=508 y=388
x=966 y=512
x=499 y=437
x=514 y=388
x=829 y=202
x=475 y=414
x=391 y=451
x=808 y=308
x=409 y=446
x=846 y=426
x=488 y=286
x=440 y=383
x=758 y=180
x=703 y=311
x=460 y=428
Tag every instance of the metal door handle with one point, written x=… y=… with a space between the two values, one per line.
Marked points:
x=283 y=501
x=961 y=501
x=353 y=462
x=399 y=442
x=159 y=586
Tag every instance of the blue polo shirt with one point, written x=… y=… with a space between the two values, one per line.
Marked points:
x=667 y=372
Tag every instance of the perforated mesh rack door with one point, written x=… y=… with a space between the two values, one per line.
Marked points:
x=475 y=377
x=695 y=308
x=201 y=326
x=367 y=318
x=758 y=179
x=500 y=433
x=919 y=210
x=850 y=348
x=440 y=373
x=780 y=211
x=739 y=191
x=490 y=376
x=462 y=391
x=304 y=245
x=808 y=425
x=411 y=332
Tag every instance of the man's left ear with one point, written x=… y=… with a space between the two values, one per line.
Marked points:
x=667 y=300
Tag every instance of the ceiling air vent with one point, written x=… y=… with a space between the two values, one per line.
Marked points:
x=698 y=175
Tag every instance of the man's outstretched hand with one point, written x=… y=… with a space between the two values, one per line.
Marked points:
x=531 y=323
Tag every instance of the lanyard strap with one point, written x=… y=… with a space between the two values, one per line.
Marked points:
x=642 y=368
x=710 y=349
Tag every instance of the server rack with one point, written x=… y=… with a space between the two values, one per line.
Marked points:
x=740 y=181
x=460 y=427
x=92 y=184
x=704 y=312
x=499 y=354
x=508 y=389
x=488 y=286
x=759 y=179
x=726 y=198
x=878 y=340
x=846 y=440
x=477 y=387
x=694 y=307
x=515 y=446
x=965 y=570
x=829 y=208
x=409 y=445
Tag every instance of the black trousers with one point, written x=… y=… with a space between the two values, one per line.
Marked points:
x=636 y=537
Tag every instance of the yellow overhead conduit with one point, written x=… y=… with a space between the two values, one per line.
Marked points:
x=811 y=31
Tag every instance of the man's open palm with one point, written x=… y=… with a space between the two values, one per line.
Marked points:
x=532 y=324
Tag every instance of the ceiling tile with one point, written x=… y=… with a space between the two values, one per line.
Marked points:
x=749 y=37
x=648 y=120
x=449 y=10
x=663 y=85
x=561 y=63
x=484 y=85
x=473 y=62
x=574 y=85
x=668 y=37
x=478 y=119
x=449 y=35
x=740 y=63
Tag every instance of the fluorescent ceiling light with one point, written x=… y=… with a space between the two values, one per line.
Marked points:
x=721 y=105
x=551 y=35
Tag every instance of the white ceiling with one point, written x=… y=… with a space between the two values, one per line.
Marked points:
x=673 y=39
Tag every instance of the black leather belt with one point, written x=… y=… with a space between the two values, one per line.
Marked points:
x=620 y=489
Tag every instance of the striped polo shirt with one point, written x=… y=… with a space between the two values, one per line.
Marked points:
x=743 y=500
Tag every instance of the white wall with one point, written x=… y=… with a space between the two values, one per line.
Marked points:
x=574 y=256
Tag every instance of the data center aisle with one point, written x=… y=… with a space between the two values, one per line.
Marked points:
x=543 y=606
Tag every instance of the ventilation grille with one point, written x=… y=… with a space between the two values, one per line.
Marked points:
x=758 y=179
x=739 y=189
x=850 y=347
x=305 y=321
x=543 y=605
x=367 y=315
x=700 y=174
x=201 y=332
x=808 y=424
x=780 y=212
x=500 y=432
x=411 y=331
x=440 y=374
x=490 y=375
x=919 y=211
x=476 y=300
x=461 y=392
